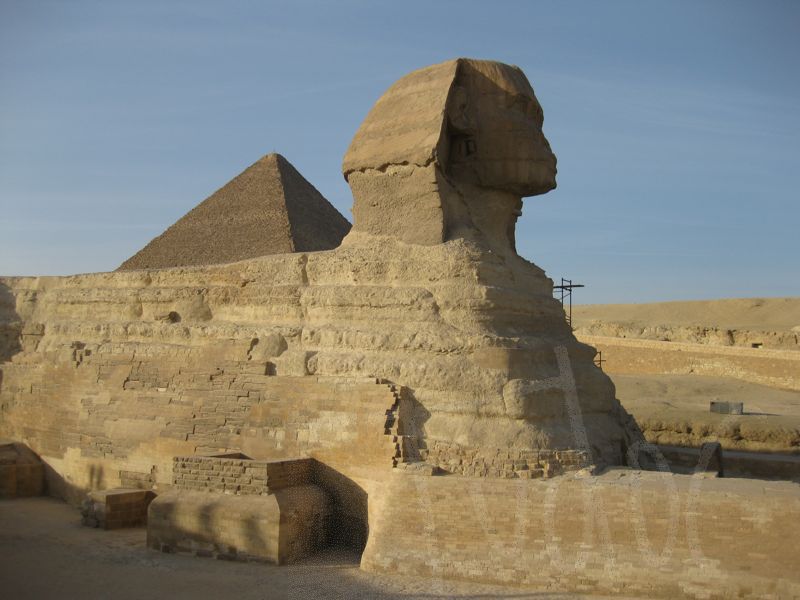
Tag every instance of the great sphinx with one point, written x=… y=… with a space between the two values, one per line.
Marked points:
x=416 y=392
x=427 y=292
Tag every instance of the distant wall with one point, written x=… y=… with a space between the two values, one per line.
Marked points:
x=758 y=365
x=772 y=322
x=693 y=334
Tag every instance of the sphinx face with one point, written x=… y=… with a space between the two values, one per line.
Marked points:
x=495 y=128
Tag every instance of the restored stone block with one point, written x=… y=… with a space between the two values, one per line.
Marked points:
x=116 y=508
x=281 y=527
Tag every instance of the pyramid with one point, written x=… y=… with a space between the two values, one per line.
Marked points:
x=269 y=208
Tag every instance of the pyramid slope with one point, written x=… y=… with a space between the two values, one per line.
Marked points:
x=315 y=223
x=269 y=208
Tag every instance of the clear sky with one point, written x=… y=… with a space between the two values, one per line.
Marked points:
x=676 y=125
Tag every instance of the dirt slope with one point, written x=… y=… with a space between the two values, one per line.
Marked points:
x=746 y=322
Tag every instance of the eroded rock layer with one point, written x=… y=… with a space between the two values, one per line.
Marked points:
x=103 y=363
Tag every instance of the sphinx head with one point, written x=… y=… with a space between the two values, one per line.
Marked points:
x=449 y=151
x=494 y=131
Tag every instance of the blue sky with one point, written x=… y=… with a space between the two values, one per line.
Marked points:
x=676 y=125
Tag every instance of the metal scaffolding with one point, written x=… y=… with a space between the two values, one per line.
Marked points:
x=565 y=291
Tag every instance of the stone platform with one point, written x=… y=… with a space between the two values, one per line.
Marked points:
x=117 y=508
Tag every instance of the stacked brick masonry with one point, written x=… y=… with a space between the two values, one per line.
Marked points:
x=115 y=401
x=113 y=509
x=635 y=533
x=131 y=409
x=21 y=472
x=238 y=476
x=229 y=476
x=507 y=463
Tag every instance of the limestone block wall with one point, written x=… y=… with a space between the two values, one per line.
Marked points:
x=116 y=414
x=238 y=476
x=21 y=471
x=508 y=463
x=634 y=533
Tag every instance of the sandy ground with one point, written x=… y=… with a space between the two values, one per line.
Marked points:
x=46 y=553
x=692 y=393
x=670 y=403
x=677 y=407
x=773 y=314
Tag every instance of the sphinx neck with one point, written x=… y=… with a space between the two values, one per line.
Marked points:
x=493 y=216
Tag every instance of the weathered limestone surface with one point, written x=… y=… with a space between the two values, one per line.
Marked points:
x=129 y=359
x=110 y=375
x=456 y=145
x=269 y=208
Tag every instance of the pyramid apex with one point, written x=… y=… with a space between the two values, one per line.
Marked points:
x=272 y=158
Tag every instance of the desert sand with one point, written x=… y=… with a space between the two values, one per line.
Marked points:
x=674 y=410
x=672 y=406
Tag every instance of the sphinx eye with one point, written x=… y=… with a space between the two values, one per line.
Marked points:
x=469 y=146
x=463 y=145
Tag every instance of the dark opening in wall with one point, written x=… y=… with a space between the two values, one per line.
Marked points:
x=348 y=523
